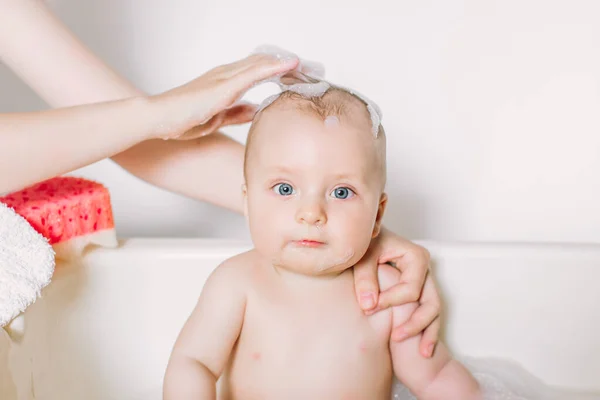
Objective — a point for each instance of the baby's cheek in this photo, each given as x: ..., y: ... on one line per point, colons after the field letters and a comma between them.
x: 355, y: 219
x: 266, y: 221
x: 265, y: 239
x: 342, y: 257
x: 355, y: 240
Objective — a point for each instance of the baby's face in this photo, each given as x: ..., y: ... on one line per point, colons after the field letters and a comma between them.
x: 314, y: 191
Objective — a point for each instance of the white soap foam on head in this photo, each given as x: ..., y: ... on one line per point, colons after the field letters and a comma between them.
x: 306, y: 80
x: 332, y: 121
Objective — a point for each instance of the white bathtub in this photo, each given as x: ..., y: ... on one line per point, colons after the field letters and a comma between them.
x: 104, y: 328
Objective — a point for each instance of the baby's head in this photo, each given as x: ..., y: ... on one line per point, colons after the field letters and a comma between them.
x: 314, y: 181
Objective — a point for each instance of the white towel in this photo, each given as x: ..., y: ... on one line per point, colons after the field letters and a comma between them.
x: 26, y: 264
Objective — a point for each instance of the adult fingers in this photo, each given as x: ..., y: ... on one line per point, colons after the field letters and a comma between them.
x: 425, y: 318
x: 414, y: 266
x: 202, y: 130
x: 420, y: 319
x: 236, y: 115
x: 366, y: 284
x: 430, y: 338
x: 262, y: 69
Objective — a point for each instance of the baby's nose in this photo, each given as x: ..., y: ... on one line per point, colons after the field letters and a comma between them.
x: 312, y: 213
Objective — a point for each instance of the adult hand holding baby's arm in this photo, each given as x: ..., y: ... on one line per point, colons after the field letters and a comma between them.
x: 437, y: 377
x: 204, y: 344
x: 416, y: 285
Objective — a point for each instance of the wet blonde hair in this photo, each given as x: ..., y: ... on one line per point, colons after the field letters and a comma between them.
x: 334, y: 102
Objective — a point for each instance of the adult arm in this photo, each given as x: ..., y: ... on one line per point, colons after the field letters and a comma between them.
x: 65, y: 73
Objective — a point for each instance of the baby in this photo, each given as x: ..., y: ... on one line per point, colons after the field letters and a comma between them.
x: 281, y: 321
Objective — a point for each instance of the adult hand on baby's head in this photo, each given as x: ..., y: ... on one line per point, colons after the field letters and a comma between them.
x: 417, y: 286
x: 205, y: 104
x: 238, y: 114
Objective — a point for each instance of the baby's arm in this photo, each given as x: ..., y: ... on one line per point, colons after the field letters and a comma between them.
x: 438, y: 377
x: 207, y: 338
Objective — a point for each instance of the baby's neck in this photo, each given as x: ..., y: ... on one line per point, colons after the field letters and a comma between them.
x: 310, y: 281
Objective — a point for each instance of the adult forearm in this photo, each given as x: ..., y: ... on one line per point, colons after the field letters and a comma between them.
x: 39, y: 145
x: 52, y: 61
x: 208, y: 169
x: 64, y: 73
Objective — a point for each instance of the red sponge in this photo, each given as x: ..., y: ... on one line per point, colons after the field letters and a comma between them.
x: 70, y: 212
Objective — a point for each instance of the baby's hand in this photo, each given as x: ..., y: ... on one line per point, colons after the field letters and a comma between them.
x: 416, y: 285
x: 203, y: 105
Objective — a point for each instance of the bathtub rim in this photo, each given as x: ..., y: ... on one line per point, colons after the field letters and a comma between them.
x: 223, y: 248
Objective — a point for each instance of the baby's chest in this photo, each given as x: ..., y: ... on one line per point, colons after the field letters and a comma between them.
x: 311, y: 351
x: 309, y: 334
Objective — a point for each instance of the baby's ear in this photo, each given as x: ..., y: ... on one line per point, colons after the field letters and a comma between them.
x: 380, y: 211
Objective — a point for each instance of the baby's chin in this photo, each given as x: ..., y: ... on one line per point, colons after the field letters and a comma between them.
x: 313, y: 262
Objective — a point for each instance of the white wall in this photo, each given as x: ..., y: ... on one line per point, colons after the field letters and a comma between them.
x: 492, y: 108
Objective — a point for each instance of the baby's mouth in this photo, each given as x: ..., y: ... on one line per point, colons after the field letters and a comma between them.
x: 308, y: 243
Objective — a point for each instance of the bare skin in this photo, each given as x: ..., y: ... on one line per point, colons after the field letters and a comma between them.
x: 65, y: 73
x: 282, y: 320
x: 278, y: 336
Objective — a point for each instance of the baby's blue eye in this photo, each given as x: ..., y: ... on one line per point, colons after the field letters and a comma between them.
x: 284, y: 189
x: 343, y: 193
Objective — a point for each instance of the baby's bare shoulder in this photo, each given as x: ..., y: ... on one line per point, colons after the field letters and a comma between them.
x: 237, y: 271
